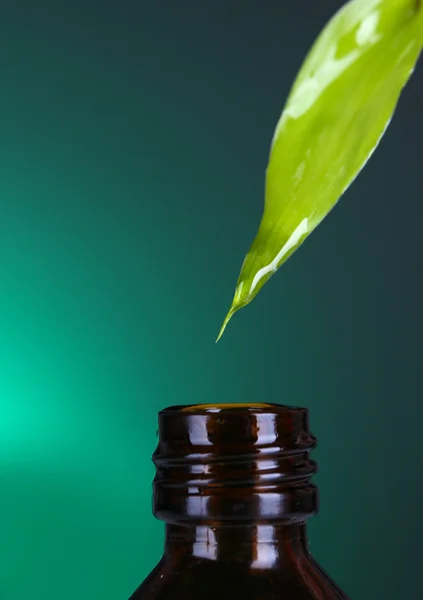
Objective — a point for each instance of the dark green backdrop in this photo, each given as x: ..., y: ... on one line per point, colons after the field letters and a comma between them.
x: 134, y: 139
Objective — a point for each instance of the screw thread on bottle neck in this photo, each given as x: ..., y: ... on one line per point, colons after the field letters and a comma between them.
x: 234, y: 464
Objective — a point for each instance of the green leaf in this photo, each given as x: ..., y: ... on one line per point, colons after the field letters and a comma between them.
x: 338, y: 109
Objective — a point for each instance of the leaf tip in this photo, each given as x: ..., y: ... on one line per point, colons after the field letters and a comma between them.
x: 225, y: 322
x: 228, y: 317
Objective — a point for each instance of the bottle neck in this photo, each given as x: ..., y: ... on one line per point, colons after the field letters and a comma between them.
x: 258, y: 546
x: 234, y: 466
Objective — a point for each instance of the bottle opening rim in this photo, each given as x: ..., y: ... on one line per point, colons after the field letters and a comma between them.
x: 244, y: 407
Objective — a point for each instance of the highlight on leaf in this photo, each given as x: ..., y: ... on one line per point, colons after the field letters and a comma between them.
x: 339, y: 107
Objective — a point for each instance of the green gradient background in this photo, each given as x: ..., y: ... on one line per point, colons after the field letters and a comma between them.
x: 133, y: 146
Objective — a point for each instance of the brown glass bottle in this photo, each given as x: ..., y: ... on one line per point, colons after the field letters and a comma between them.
x: 233, y: 487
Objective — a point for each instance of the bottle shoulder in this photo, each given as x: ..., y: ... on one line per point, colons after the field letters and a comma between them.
x: 209, y: 580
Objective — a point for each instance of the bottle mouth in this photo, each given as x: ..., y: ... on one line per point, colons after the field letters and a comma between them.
x: 234, y: 462
x: 252, y: 407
